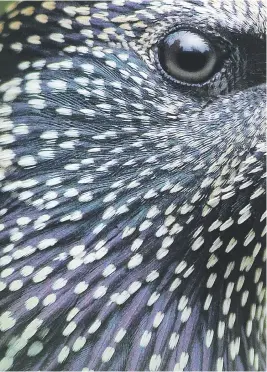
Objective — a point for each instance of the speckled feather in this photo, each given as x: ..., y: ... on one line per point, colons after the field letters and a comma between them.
x: 132, y: 208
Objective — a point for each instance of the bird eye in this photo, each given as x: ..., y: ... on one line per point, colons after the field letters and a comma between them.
x: 187, y: 56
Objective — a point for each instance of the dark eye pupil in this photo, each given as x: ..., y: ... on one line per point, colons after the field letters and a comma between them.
x: 187, y: 56
x: 192, y: 61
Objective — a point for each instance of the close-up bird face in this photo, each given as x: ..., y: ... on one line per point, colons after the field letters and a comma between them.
x: 132, y: 189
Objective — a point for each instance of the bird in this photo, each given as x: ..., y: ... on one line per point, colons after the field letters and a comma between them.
x: 132, y: 185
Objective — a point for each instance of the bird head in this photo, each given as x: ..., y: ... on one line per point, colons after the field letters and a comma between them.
x: 132, y: 190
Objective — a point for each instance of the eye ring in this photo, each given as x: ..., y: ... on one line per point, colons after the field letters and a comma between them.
x: 189, y: 57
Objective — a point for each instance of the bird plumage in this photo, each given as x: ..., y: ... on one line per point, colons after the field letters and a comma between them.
x: 132, y: 207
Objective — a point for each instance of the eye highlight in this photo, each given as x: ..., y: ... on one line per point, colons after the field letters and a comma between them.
x: 188, y: 56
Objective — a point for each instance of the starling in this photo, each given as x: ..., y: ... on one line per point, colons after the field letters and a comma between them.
x: 132, y: 189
